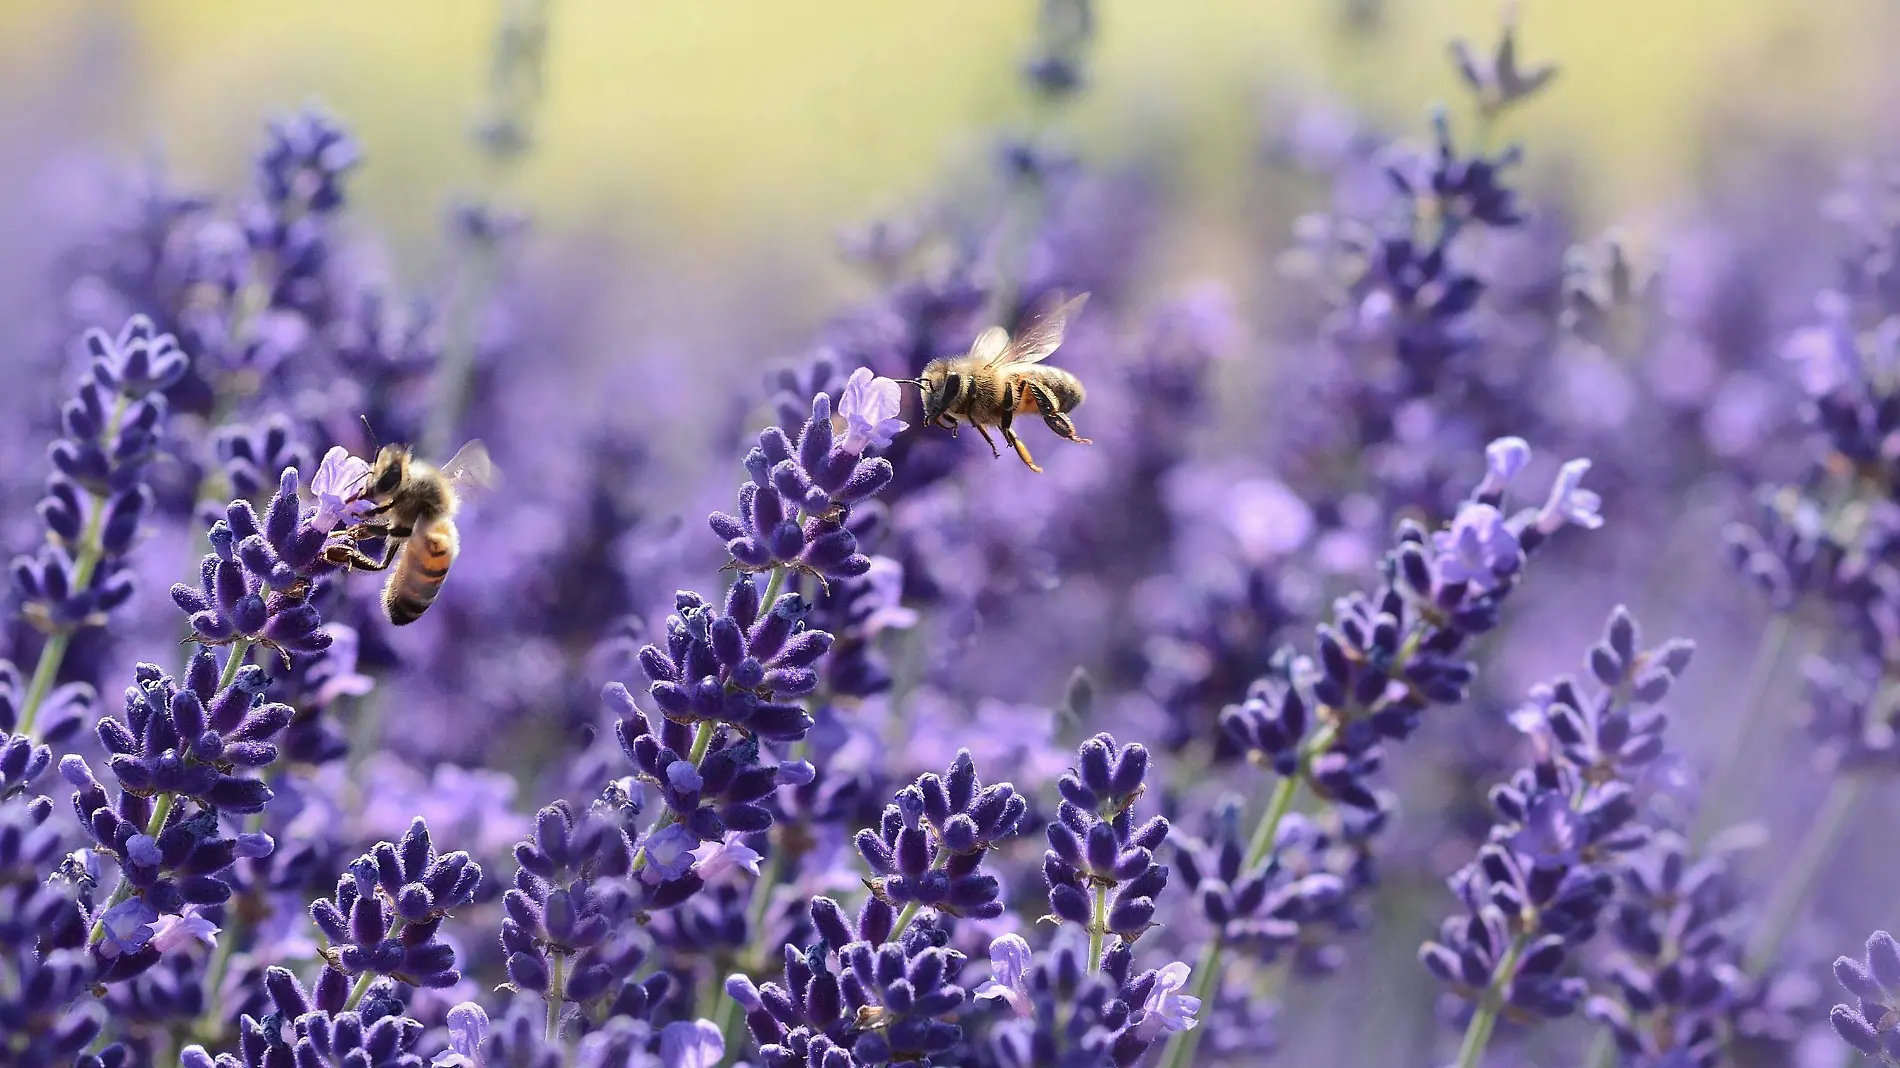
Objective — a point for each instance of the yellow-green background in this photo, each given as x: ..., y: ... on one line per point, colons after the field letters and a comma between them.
x: 726, y: 125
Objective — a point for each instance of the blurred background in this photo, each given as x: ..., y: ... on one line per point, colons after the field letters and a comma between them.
x: 727, y: 142
x: 656, y: 227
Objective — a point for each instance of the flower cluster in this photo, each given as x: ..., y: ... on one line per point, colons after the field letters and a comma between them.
x: 929, y: 846
x: 254, y: 585
x: 1095, y: 846
x: 738, y: 666
x: 857, y: 998
x: 569, y: 897
x: 387, y: 913
x: 1874, y: 980
x: 1063, y: 1012
x: 330, y: 1025
x: 1540, y: 886
x: 794, y: 511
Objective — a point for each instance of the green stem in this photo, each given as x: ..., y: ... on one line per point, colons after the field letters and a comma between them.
x: 911, y: 910
x: 557, y: 997
x: 702, y: 740
x: 240, y: 649
x: 85, y: 565
x: 1485, y: 1019
x: 52, y: 654
x: 774, y: 586
x: 1180, y: 1051
x: 1762, y: 672
x: 1098, y: 924
x: 1602, y: 1053
x: 1784, y: 905
x: 161, y: 809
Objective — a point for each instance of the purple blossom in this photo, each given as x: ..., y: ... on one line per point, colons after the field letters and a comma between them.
x: 869, y: 407
x: 1010, y: 960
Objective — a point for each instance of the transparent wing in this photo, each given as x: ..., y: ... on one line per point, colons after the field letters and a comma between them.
x: 990, y: 345
x: 470, y: 471
x: 1039, y: 338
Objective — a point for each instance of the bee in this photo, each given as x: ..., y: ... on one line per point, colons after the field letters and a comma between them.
x: 415, y: 504
x: 998, y: 379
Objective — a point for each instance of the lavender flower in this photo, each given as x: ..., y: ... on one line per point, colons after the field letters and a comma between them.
x: 569, y: 896
x: 1095, y: 846
x: 329, y: 1026
x: 1874, y: 980
x: 389, y: 908
x: 737, y: 667
x: 792, y: 513
x: 869, y: 407
x: 929, y: 847
x: 1541, y: 884
x: 96, y: 498
x: 1064, y: 1013
x: 866, y: 1002
x: 254, y: 586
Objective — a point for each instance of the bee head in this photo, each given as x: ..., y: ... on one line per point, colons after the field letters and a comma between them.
x: 931, y: 388
x: 390, y: 471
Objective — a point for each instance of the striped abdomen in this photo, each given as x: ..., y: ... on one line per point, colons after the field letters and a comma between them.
x: 1061, y: 387
x: 419, y: 572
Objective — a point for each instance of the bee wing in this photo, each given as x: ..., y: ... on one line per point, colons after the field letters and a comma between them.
x: 1039, y: 338
x: 470, y: 470
x: 990, y: 345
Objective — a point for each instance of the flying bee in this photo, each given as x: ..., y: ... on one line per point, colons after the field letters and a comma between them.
x: 414, y: 512
x: 999, y: 379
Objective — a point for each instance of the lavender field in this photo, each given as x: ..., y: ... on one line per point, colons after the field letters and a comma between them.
x: 1430, y: 607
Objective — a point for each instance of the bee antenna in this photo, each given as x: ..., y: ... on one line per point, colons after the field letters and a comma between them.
x: 371, y: 431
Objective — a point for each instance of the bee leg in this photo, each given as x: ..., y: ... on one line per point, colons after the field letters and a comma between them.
x: 1052, y: 415
x: 1021, y: 449
x: 354, y: 559
x: 987, y: 440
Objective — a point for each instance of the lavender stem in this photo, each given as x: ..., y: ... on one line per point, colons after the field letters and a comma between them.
x: 363, y: 981
x: 1180, y: 1051
x: 557, y: 996
x: 1764, y: 667
x: 91, y: 551
x: 1485, y: 1018
x: 1784, y: 905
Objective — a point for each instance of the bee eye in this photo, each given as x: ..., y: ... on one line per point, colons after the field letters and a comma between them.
x: 387, y: 481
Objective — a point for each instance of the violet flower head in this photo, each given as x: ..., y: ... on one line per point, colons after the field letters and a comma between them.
x: 570, y: 894
x: 1541, y: 884
x: 97, y: 498
x: 1065, y: 1013
x: 254, y: 585
x: 252, y: 455
x: 388, y: 909
x: 722, y: 791
x: 869, y: 407
x: 1010, y: 959
x: 793, y: 513
x: 468, y: 1032
x: 306, y: 156
x: 326, y: 1025
x: 931, y: 842
x: 1675, y: 982
x: 743, y: 666
x: 337, y: 484
x: 197, y: 740
x: 867, y: 1002
x: 1096, y: 847
x: 1870, y: 1026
